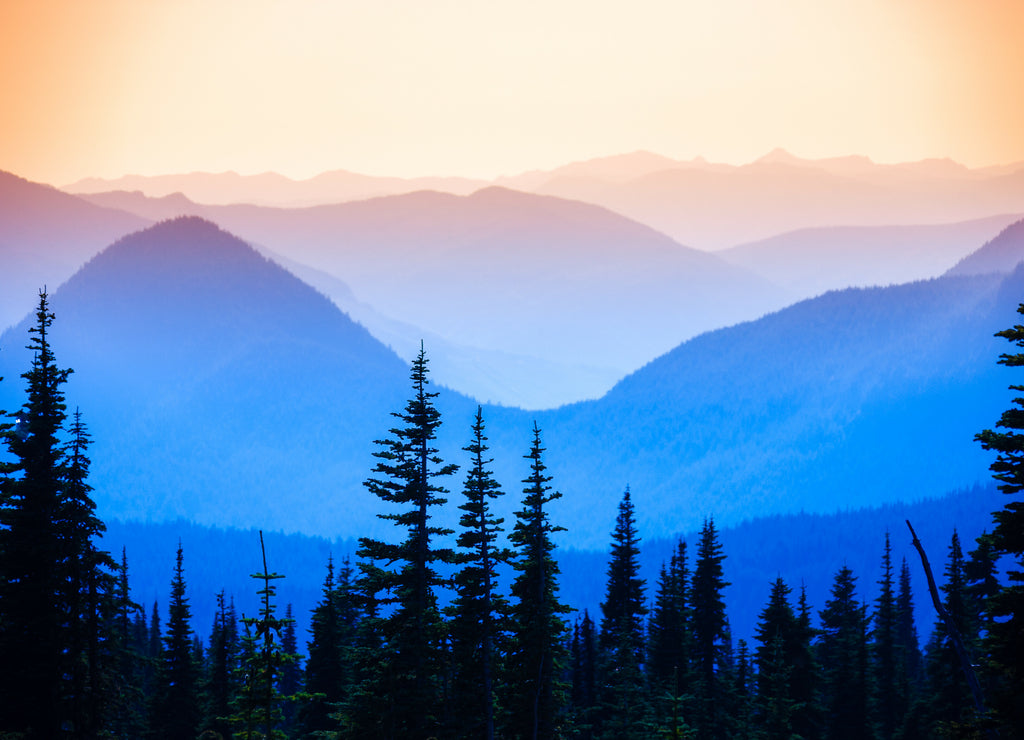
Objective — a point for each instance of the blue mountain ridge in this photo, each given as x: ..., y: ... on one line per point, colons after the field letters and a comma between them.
x: 221, y: 389
x: 804, y: 549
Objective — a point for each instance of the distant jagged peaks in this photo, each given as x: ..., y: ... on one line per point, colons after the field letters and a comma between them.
x: 1001, y: 254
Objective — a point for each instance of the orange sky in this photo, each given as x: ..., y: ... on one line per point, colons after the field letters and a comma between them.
x: 480, y: 88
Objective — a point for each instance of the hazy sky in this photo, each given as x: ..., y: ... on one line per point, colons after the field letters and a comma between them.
x: 480, y: 88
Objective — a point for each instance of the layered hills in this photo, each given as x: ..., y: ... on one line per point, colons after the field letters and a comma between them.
x: 221, y: 388
x: 45, y: 236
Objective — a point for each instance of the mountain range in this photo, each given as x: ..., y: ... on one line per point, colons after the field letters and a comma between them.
x: 221, y: 388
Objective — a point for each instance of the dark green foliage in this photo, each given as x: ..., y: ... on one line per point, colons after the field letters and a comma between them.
x: 623, y: 696
x: 888, y: 700
x: 534, y: 687
x: 806, y: 677
x: 1005, y: 638
x: 780, y: 645
x: 403, y: 576
x: 670, y: 643
x: 950, y: 703
x: 176, y: 709
x: 221, y: 680
x: 478, y: 611
x: 127, y: 712
x: 843, y: 652
x: 33, y: 618
x: 583, y: 707
x: 332, y: 638
x: 290, y: 677
x: 710, y: 634
x: 258, y: 704
x: 58, y: 642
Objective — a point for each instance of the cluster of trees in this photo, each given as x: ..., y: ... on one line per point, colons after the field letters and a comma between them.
x: 462, y: 633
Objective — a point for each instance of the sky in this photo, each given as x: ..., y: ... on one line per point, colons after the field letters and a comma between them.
x: 482, y: 88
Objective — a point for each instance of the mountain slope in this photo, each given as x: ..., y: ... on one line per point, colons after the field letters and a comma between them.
x: 217, y: 386
x: 1001, y: 254
x: 45, y: 235
x: 855, y: 398
x: 809, y: 262
x: 515, y: 272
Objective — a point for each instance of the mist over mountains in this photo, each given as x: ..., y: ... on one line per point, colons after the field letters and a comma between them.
x: 229, y: 383
x: 221, y: 388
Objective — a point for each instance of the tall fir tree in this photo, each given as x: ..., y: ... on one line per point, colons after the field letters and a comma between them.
x: 583, y: 706
x: 478, y: 611
x: 710, y: 635
x: 888, y: 702
x: 624, y: 707
x: 128, y: 709
x: 326, y: 680
x: 950, y: 701
x: 176, y: 709
x: 259, y: 702
x: 669, y: 665
x: 221, y: 683
x: 289, y: 683
x: 776, y: 655
x: 844, y: 655
x: 806, y: 677
x: 404, y: 576
x: 32, y: 616
x: 1005, y: 638
x: 56, y: 585
x: 535, y: 689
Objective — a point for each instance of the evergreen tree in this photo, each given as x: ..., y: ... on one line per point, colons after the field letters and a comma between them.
x: 33, y: 616
x: 290, y: 681
x: 583, y: 696
x: 222, y: 666
x: 326, y: 680
x: 258, y: 705
x: 908, y: 649
x: 670, y: 644
x: 951, y: 704
x: 478, y: 611
x: 710, y: 633
x: 806, y: 677
x: 1005, y: 638
x: 888, y: 702
x: 779, y: 643
x: 176, y: 709
x: 404, y: 575
x: 128, y: 710
x: 624, y: 710
x: 844, y: 655
x: 534, y: 685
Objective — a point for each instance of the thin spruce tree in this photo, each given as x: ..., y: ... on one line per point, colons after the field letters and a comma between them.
x: 403, y: 577
x: 534, y: 680
x: 844, y: 655
x: 710, y: 634
x: 479, y: 611
x: 176, y: 708
x: 625, y: 712
x: 1004, y: 641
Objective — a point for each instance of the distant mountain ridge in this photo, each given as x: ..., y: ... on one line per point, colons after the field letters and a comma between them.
x: 45, y: 236
x: 513, y: 272
x: 221, y: 388
x: 698, y: 203
x: 809, y: 262
x: 1001, y: 254
x: 272, y: 189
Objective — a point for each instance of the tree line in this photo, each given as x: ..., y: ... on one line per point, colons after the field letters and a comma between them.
x: 442, y: 633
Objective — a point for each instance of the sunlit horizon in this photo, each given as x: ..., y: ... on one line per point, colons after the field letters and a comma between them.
x: 111, y: 88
